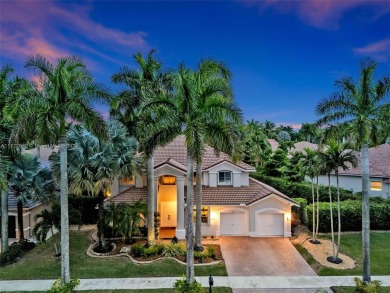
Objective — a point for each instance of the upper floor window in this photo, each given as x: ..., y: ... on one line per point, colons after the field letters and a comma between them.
x: 225, y: 178
x: 377, y: 186
x: 128, y: 181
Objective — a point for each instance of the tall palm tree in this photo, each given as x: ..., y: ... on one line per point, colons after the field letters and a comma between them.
x: 93, y: 164
x: 142, y: 84
x: 308, y: 132
x: 257, y: 147
x: 67, y: 93
x: 356, y: 107
x: 269, y: 129
x: 29, y: 182
x: 341, y: 156
x: 203, y: 110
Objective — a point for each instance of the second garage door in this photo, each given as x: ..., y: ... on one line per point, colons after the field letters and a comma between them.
x: 269, y: 224
x: 232, y: 224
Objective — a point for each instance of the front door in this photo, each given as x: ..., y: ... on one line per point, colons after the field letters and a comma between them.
x: 168, y: 214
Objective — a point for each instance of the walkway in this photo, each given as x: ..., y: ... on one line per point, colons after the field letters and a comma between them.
x: 256, y: 283
x: 248, y: 256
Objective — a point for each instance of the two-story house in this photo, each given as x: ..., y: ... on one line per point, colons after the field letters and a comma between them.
x: 232, y: 202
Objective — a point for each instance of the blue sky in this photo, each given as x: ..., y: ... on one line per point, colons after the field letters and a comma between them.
x: 284, y: 55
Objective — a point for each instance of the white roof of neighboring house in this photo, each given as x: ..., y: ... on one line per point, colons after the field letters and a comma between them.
x: 300, y: 146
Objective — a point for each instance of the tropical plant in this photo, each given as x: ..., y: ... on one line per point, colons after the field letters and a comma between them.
x: 308, y: 132
x: 338, y: 156
x: 145, y: 83
x: 257, y: 148
x: 94, y: 164
x: 67, y: 92
x: 29, y: 182
x: 46, y: 221
x: 356, y: 108
x: 269, y: 129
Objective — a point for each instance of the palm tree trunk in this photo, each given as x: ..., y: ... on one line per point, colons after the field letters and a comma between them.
x: 198, y: 231
x: 318, y: 211
x: 338, y: 216
x: 4, y: 220
x: 65, y: 269
x: 102, y: 241
x: 151, y: 200
x: 190, y: 273
x: 20, y: 221
x: 331, y: 214
x: 314, y: 209
x: 365, y: 213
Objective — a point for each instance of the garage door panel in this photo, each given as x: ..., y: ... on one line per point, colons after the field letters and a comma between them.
x: 270, y: 224
x: 232, y: 224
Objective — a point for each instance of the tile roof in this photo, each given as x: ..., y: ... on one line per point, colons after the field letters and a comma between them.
x: 13, y: 205
x: 221, y: 195
x: 299, y: 147
x: 274, y: 144
x: 379, y: 163
x: 175, y: 153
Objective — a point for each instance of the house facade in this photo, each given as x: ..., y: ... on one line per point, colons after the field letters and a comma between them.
x: 379, y: 171
x: 232, y: 202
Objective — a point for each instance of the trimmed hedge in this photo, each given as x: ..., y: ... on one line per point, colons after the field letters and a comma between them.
x: 82, y: 210
x: 351, y: 216
x: 303, y: 189
x: 300, y: 213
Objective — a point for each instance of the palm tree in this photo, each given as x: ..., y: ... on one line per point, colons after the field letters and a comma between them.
x: 269, y: 129
x: 94, y: 164
x: 29, y: 182
x: 68, y: 92
x: 47, y: 221
x: 341, y: 156
x: 257, y: 147
x: 203, y: 109
x: 356, y: 107
x: 308, y: 132
x: 144, y: 83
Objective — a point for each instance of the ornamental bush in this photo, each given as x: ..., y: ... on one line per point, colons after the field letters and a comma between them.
x: 14, y: 251
x: 351, y: 216
x: 299, y: 213
x: 302, y: 189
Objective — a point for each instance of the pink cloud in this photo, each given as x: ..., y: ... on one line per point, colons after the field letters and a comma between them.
x: 37, y: 27
x: 324, y: 14
x: 293, y: 125
x: 379, y: 50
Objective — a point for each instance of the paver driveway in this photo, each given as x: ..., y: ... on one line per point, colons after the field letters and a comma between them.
x: 248, y: 256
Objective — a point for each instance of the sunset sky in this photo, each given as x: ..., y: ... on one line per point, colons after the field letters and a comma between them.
x: 284, y: 55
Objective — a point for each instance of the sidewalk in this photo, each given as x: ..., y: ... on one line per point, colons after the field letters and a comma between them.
x: 255, y: 282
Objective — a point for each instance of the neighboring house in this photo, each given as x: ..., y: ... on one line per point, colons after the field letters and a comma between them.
x: 351, y: 179
x: 232, y: 202
x: 299, y: 147
x: 31, y: 208
x: 274, y: 144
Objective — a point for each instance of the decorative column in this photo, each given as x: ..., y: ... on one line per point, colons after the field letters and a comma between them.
x: 180, y: 231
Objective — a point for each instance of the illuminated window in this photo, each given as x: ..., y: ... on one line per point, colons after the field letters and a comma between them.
x: 168, y: 180
x: 128, y: 181
x: 204, y: 218
x: 225, y: 178
x: 376, y: 186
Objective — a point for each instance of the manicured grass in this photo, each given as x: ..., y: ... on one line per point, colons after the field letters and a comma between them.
x: 353, y: 290
x: 40, y: 264
x: 351, y: 245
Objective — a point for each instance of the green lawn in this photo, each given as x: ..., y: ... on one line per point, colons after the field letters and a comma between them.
x: 351, y: 245
x: 40, y: 264
x: 353, y: 290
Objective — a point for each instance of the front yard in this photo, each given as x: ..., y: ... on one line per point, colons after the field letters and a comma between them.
x: 40, y: 264
x: 351, y: 245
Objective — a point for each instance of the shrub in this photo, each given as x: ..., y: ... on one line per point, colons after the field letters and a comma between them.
x: 299, y: 213
x: 138, y: 250
x: 9, y: 256
x: 141, y: 250
x: 363, y: 287
x: 82, y: 209
x: 173, y: 249
x: 302, y: 189
x: 351, y: 216
x: 208, y: 252
x: 65, y: 288
x: 182, y: 286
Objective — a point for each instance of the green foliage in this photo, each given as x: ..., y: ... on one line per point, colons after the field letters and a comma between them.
x: 174, y: 249
x: 302, y: 189
x: 57, y: 287
x: 157, y: 223
x: 182, y: 286
x: 208, y: 252
x: 351, y: 216
x: 141, y: 250
x: 299, y: 213
x: 46, y: 221
x: 363, y: 287
x: 82, y: 210
x: 9, y: 256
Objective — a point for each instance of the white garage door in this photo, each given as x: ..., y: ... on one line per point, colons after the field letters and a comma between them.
x: 233, y: 224
x: 268, y: 224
